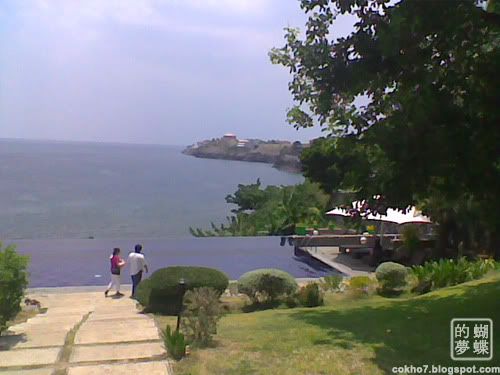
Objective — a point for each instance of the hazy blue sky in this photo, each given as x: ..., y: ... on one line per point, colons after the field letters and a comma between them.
x: 145, y: 71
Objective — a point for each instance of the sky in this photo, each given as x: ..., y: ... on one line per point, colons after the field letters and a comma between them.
x: 146, y: 71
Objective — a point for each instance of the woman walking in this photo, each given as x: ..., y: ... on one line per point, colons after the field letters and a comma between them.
x: 116, y: 264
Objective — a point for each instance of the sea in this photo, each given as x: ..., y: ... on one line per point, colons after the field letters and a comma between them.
x: 100, y: 190
x: 67, y: 204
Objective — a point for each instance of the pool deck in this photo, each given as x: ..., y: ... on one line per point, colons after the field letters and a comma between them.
x: 331, y: 256
x: 125, y: 288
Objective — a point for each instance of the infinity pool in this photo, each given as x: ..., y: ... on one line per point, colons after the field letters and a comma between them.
x: 86, y: 262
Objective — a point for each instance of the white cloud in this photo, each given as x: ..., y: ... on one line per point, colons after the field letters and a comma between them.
x: 147, y: 12
x: 227, y: 6
x: 83, y: 20
x: 78, y: 11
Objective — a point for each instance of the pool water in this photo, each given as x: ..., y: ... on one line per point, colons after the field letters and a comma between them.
x: 86, y: 262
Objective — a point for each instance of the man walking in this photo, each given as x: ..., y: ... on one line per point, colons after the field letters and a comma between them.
x: 137, y: 265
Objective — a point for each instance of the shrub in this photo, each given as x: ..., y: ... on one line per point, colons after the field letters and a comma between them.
x: 361, y: 285
x: 292, y: 301
x: 411, y: 238
x: 448, y: 272
x: 143, y: 292
x: 175, y: 343
x: 13, y: 282
x: 391, y: 277
x: 202, y: 310
x: 332, y: 283
x: 233, y: 288
x: 310, y: 295
x: 161, y: 292
x: 266, y: 284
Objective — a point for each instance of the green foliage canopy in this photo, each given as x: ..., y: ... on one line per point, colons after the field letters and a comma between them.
x: 428, y: 132
x: 13, y: 282
x: 272, y: 210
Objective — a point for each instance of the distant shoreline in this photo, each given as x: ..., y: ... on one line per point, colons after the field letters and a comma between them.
x: 283, y: 155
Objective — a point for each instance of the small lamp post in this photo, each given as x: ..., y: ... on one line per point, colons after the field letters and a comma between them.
x: 364, y: 238
x: 182, y: 290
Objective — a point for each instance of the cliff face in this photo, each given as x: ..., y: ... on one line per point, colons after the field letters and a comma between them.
x: 283, y: 155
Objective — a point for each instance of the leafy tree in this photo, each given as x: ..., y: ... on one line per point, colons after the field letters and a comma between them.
x: 428, y: 134
x: 274, y: 210
x: 247, y: 197
x: 13, y: 282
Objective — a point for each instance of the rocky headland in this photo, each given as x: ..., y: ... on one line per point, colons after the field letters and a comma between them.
x: 283, y: 155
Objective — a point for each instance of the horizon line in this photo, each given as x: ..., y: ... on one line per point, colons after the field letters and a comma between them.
x: 115, y: 142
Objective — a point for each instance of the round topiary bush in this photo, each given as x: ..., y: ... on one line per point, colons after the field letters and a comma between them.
x: 391, y: 277
x: 266, y: 284
x: 161, y: 292
x: 143, y: 292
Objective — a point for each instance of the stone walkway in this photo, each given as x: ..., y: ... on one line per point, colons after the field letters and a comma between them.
x: 83, y: 334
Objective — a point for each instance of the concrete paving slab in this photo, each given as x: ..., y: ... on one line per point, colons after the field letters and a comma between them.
x: 108, y: 307
x: 116, y: 351
x: 56, y: 319
x: 47, y: 322
x: 54, y: 327
x: 42, y: 371
x: 149, y: 368
x: 115, y: 307
x: 133, y: 325
x: 28, y: 357
x: 11, y: 340
x: 57, y: 306
x: 117, y: 316
x: 40, y: 339
x: 62, y: 311
x: 113, y: 334
x: 50, y: 319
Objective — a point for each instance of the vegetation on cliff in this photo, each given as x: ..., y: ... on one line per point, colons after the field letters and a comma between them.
x: 283, y: 155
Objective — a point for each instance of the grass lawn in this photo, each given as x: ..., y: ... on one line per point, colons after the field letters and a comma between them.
x: 362, y: 336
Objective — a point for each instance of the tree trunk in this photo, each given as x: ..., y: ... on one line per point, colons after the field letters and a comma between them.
x: 495, y: 244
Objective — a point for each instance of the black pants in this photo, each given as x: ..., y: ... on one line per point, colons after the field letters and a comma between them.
x: 136, y: 279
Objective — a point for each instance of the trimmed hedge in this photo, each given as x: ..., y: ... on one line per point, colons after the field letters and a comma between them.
x: 161, y: 292
x: 391, y: 277
x: 268, y: 284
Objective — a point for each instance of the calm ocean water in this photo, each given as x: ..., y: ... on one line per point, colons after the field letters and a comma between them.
x: 77, y: 190
x: 55, y: 195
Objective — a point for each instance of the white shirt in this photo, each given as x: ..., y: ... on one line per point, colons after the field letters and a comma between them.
x: 136, y: 262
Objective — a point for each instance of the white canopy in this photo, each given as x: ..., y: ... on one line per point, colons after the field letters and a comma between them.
x: 393, y: 216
